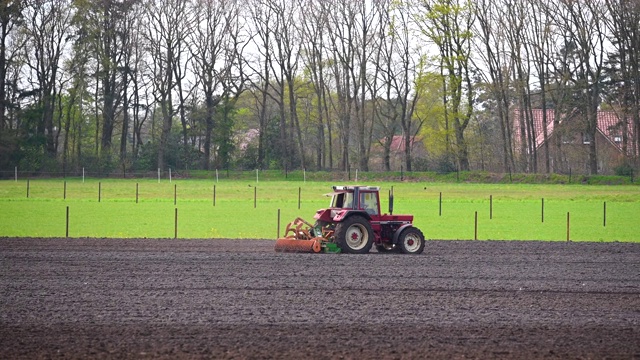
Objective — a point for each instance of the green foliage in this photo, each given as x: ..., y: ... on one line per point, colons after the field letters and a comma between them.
x: 223, y: 131
x: 102, y: 164
x: 430, y: 111
x: 147, y: 157
x: 9, y: 149
x: 623, y: 170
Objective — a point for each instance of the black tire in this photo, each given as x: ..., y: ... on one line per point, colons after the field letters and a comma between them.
x: 411, y: 241
x: 387, y: 248
x: 354, y: 235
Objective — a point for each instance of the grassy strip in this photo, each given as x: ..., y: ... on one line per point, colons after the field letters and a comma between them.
x: 108, y: 208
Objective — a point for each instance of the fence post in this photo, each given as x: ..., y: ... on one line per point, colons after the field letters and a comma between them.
x: 569, y: 175
x: 278, y: 236
x: 604, y: 215
x: 175, y: 235
x: 475, y: 234
x: 67, y: 226
x: 568, y: 227
x: 490, y: 207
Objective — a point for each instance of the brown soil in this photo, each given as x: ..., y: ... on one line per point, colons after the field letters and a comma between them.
x: 160, y: 298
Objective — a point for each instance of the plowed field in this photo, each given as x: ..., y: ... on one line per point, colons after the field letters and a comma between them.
x: 160, y: 298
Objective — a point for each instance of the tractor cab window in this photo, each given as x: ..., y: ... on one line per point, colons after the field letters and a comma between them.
x: 348, y: 201
x: 342, y: 200
x: 369, y: 202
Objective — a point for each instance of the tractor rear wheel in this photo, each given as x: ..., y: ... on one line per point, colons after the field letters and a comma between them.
x: 411, y: 241
x: 354, y: 235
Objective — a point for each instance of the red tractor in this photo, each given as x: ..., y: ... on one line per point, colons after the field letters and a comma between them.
x: 353, y: 224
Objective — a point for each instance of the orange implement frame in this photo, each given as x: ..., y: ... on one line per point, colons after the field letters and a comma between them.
x: 298, y: 238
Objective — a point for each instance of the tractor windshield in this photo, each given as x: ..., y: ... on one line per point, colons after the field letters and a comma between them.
x: 369, y: 202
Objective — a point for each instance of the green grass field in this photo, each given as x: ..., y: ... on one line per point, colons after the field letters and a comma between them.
x: 108, y: 208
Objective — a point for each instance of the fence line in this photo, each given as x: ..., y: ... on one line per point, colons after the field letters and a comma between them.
x: 305, y: 175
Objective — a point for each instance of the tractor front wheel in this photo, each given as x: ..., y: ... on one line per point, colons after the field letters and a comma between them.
x: 354, y: 235
x: 411, y: 241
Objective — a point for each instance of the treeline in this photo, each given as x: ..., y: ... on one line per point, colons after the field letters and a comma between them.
x: 295, y: 84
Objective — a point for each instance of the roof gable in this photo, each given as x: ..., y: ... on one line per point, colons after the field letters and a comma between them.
x: 609, y: 125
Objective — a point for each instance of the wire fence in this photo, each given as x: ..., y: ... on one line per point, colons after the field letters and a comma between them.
x: 331, y: 175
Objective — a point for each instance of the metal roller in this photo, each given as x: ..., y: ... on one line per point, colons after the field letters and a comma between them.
x: 300, y: 246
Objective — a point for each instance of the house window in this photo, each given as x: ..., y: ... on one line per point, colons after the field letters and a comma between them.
x: 617, y: 138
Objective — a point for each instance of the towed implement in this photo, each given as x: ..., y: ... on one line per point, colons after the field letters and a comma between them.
x: 353, y: 224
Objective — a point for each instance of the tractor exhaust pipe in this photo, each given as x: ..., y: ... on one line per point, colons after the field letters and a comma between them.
x: 391, y: 201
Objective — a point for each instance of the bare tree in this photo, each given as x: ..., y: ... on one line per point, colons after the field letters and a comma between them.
x: 216, y: 55
x: 405, y: 82
x: 313, y: 43
x: 341, y: 28
x: 388, y: 114
x: 165, y: 37
x: 10, y: 15
x: 209, y: 42
x: 139, y: 99
x: 261, y: 17
x: 350, y: 29
x: 624, y: 27
x: 493, y: 53
x: 515, y: 24
x: 584, y: 26
x: 448, y: 23
x: 284, y: 67
x: 48, y: 32
x: 540, y: 37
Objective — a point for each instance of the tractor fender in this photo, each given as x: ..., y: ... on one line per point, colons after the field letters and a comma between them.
x: 396, y: 235
x: 342, y: 215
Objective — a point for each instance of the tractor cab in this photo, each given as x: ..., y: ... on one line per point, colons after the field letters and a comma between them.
x: 349, y: 199
x: 344, y: 197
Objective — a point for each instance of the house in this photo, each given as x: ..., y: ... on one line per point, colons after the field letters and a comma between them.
x: 574, y: 142
x: 397, y: 152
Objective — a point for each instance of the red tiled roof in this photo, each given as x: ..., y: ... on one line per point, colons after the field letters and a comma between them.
x: 398, y: 143
x: 608, y: 125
